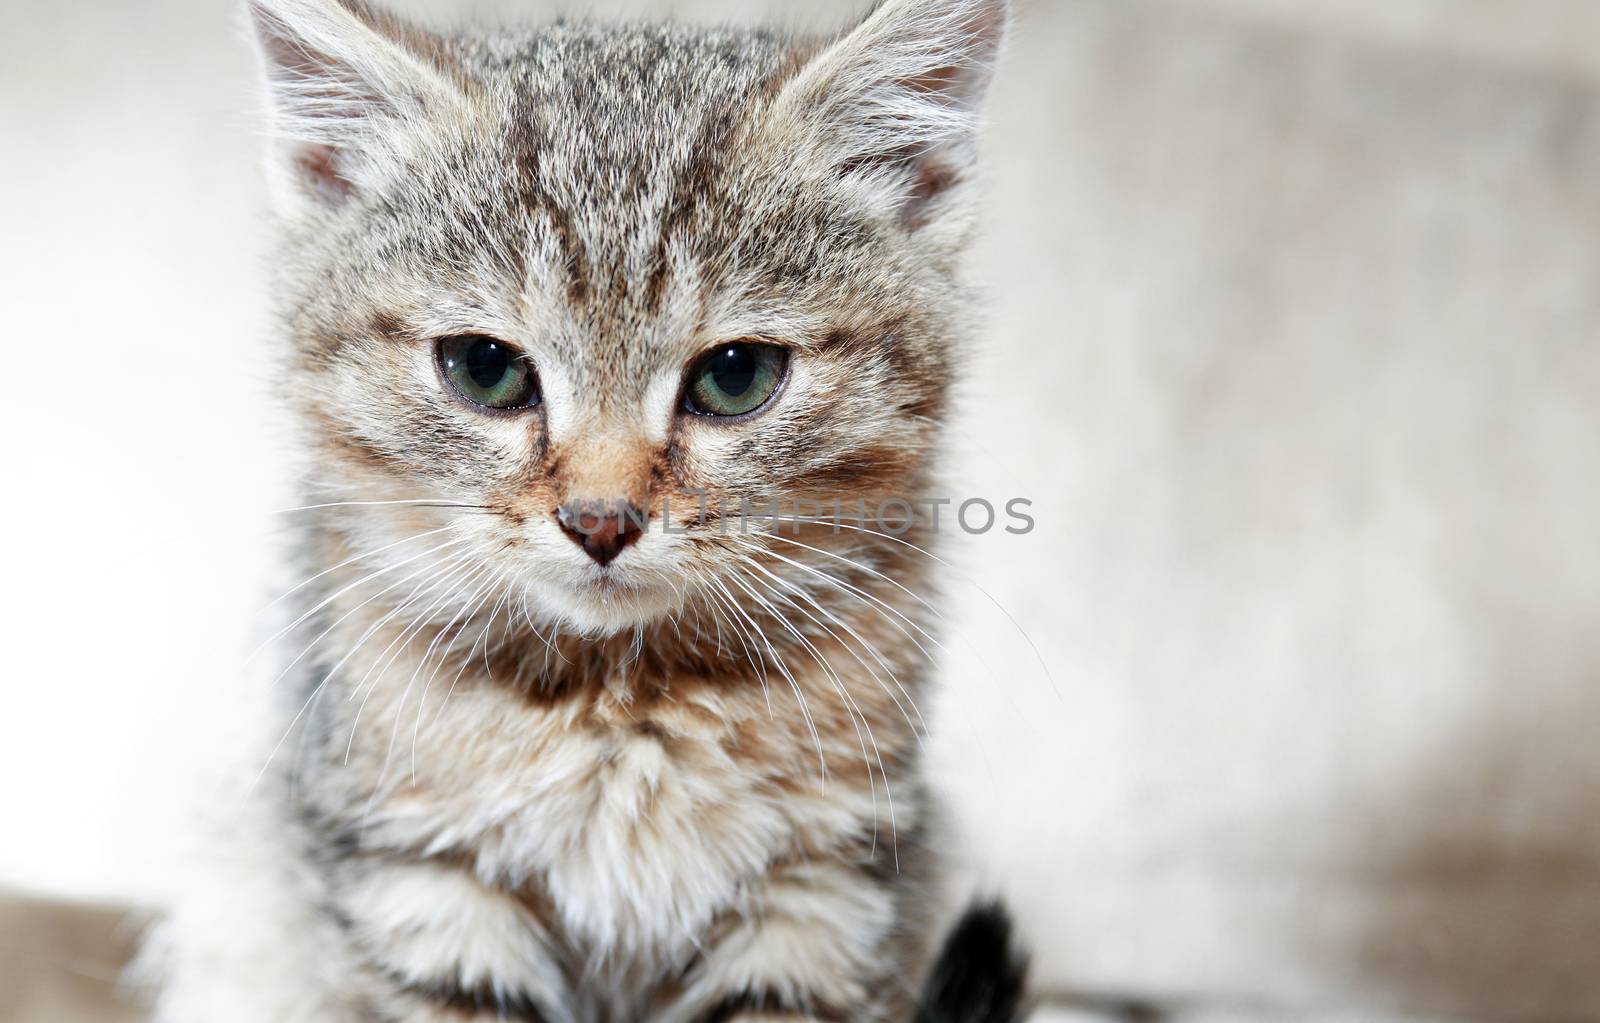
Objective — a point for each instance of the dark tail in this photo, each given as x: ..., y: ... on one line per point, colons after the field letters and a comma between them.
x: 979, y: 976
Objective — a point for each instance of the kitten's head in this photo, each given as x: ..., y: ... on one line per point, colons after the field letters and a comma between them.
x: 561, y: 274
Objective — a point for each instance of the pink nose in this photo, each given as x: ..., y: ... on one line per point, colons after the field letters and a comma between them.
x: 603, y: 530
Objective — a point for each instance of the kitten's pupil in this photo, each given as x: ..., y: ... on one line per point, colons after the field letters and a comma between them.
x: 487, y: 364
x: 488, y: 373
x: 734, y: 370
x: 736, y: 379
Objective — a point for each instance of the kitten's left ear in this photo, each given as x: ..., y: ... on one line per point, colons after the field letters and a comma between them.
x: 346, y: 81
x: 898, y: 101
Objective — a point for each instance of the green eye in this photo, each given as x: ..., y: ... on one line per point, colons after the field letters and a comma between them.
x: 488, y: 373
x: 736, y: 379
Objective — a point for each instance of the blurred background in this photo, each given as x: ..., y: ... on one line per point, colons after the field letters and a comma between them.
x: 1292, y: 343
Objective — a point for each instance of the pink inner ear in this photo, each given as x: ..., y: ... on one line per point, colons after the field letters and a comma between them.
x: 283, y: 49
x: 932, y: 177
x: 317, y: 165
x: 946, y: 83
x: 929, y: 173
x: 964, y: 81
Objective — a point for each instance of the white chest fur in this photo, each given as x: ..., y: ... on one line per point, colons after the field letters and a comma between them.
x: 638, y: 825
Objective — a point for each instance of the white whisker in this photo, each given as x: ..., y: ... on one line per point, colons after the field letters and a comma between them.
x: 853, y: 711
x: 350, y: 561
x: 1038, y: 656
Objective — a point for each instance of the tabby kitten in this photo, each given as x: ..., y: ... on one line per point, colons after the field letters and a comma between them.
x: 568, y: 737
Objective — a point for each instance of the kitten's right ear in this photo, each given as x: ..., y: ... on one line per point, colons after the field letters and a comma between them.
x: 342, y: 77
x: 897, y: 102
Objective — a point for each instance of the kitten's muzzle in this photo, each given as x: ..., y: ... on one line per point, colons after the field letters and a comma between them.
x: 604, y: 530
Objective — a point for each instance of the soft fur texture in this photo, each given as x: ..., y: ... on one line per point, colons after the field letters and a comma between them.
x: 514, y: 783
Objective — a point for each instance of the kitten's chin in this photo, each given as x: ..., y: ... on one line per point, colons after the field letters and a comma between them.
x: 602, y: 608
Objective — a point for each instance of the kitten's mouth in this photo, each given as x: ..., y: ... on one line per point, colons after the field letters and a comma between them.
x: 611, y: 582
x: 607, y: 600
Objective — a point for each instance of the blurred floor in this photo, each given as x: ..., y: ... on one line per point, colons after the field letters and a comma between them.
x: 62, y: 963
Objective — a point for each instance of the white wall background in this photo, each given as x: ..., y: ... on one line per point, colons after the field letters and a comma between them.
x: 1294, y: 347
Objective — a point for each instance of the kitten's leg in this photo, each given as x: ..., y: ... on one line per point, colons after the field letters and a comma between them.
x: 815, y: 940
x: 434, y: 943
x: 245, y: 940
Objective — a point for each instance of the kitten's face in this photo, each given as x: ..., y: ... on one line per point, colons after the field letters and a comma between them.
x: 556, y: 274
